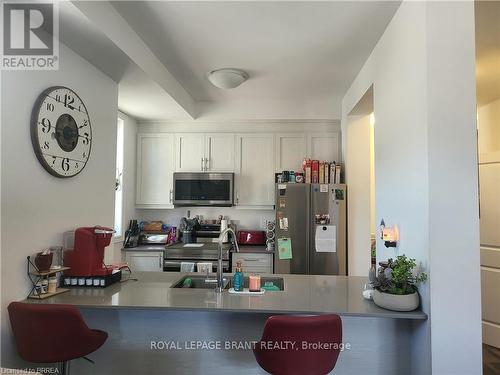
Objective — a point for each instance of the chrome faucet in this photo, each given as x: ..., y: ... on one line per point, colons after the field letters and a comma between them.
x: 220, y: 277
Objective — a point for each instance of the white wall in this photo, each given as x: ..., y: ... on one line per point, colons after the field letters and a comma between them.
x: 358, y: 179
x: 489, y: 167
x: 269, y: 109
x: 129, y: 170
x: 489, y: 183
x: 454, y: 228
x: 489, y: 127
x: 422, y: 71
x: 37, y: 207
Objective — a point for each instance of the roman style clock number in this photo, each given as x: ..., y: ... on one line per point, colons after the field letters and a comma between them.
x: 61, y: 132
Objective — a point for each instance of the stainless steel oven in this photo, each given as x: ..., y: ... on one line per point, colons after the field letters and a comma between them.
x: 203, y: 189
x: 174, y: 256
x: 175, y: 265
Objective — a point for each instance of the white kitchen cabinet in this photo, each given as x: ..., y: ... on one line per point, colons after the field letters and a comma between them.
x: 155, y: 166
x: 324, y: 146
x: 290, y: 151
x: 254, y: 178
x: 219, y: 151
x: 204, y: 152
x: 260, y: 263
x: 144, y: 260
x: 190, y: 152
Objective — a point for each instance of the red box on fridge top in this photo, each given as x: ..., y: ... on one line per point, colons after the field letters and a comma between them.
x: 315, y: 171
x: 306, y: 164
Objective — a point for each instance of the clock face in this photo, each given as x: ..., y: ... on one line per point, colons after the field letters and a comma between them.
x: 61, y: 132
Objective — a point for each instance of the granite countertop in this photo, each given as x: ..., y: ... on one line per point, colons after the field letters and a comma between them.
x: 206, y: 246
x: 226, y: 246
x: 149, y: 247
x: 303, y: 294
x: 178, y: 245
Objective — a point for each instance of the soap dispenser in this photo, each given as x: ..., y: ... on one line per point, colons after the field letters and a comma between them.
x: 238, y: 278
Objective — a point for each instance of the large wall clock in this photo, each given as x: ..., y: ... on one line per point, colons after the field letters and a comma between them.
x: 61, y: 132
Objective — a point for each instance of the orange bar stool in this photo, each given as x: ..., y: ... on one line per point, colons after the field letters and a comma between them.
x: 300, y: 345
x: 52, y: 333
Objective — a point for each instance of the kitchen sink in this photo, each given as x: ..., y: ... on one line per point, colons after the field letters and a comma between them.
x: 276, y: 281
x: 199, y: 282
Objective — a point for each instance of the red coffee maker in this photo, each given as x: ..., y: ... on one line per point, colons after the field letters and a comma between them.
x: 86, y: 260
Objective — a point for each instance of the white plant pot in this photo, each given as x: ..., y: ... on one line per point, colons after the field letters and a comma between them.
x: 396, y: 302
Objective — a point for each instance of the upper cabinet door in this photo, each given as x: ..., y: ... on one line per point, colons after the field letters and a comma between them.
x: 324, y: 146
x: 255, y: 170
x: 290, y: 151
x: 190, y: 152
x: 219, y: 152
x: 154, y: 170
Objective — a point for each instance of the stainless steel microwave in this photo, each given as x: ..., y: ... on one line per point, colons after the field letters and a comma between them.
x: 203, y: 189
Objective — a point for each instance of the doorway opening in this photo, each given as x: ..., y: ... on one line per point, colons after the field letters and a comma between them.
x: 487, y: 15
x: 360, y: 179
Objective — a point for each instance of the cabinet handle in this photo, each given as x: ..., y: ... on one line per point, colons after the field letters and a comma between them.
x: 237, y: 198
x: 202, y: 168
x: 207, y: 164
x: 160, y: 259
x: 171, y: 195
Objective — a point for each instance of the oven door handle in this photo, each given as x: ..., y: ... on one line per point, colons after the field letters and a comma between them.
x: 171, y: 263
x: 177, y: 264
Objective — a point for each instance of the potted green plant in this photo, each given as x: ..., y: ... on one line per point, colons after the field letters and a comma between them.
x: 396, y: 284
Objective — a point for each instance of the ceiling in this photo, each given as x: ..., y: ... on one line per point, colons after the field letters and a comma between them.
x: 301, y: 56
x: 487, y: 51
x: 139, y: 95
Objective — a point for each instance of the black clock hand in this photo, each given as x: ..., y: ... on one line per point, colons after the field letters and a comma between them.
x: 64, y: 157
x: 66, y: 105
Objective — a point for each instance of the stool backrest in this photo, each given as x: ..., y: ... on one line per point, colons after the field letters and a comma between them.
x: 43, y: 332
x: 305, y: 345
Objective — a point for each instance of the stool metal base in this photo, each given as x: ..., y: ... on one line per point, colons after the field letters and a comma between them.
x: 65, y: 367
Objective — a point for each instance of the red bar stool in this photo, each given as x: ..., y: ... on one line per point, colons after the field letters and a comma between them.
x: 52, y: 333
x: 316, y: 344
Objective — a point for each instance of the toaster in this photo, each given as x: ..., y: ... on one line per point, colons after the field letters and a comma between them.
x: 252, y: 237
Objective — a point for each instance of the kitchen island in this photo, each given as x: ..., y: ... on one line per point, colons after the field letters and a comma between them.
x: 157, y: 329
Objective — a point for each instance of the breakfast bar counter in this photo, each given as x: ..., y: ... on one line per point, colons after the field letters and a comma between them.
x: 302, y: 294
x: 156, y: 329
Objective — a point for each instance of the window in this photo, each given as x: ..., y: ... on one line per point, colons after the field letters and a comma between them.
x: 119, y: 179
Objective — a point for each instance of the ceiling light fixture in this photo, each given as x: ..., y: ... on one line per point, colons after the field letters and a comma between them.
x: 227, y: 78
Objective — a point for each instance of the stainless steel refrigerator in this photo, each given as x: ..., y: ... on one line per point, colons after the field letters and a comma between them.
x: 311, y: 220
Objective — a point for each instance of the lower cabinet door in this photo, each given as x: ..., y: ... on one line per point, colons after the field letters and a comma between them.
x: 145, y: 261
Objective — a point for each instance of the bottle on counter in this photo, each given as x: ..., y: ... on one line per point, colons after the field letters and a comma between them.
x: 238, y: 278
